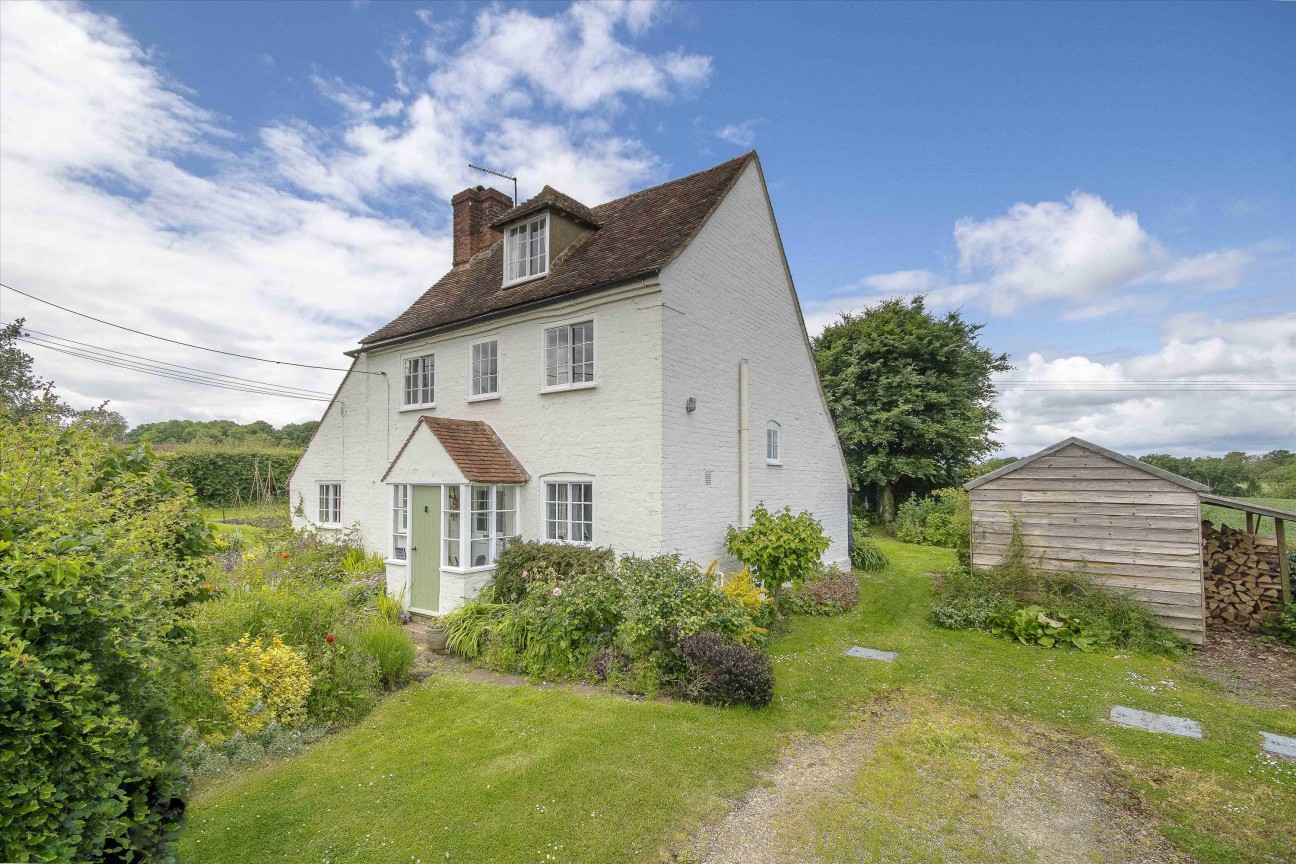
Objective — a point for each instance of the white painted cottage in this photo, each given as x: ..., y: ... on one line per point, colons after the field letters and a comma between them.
x: 634, y: 375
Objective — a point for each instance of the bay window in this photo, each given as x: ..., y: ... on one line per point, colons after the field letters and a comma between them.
x: 492, y: 524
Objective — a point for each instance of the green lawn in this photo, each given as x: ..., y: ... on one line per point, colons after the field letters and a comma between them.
x: 1237, y: 519
x: 461, y: 771
x: 226, y: 519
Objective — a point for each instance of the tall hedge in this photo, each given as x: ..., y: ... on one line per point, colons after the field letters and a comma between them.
x: 227, y: 475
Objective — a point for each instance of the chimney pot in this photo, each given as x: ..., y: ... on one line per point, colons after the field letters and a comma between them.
x: 474, y: 210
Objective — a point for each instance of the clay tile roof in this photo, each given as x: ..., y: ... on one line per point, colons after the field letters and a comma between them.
x: 474, y: 447
x: 638, y: 236
x: 549, y: 197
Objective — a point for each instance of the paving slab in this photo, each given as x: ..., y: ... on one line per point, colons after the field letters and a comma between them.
x: 871, y: 654
x: 1279, y: 745
x: 1150, y: 722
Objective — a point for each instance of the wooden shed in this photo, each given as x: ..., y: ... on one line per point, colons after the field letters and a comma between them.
x: 1084, y: 507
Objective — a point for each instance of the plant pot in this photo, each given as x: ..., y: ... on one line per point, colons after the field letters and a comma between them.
x: 436, y: 639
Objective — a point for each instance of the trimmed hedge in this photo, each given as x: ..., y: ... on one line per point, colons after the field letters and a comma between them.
x: 224, y: 476
x: 554, y: 559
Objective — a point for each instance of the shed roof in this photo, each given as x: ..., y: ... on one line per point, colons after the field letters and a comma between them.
x: 1102, y: 451
x: 1250, y: 507
x: 475, y: 448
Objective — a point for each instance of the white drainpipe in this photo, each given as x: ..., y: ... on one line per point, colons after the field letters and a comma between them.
x: 744, y: 509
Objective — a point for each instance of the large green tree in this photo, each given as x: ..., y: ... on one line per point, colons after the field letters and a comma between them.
x: 911, y: 395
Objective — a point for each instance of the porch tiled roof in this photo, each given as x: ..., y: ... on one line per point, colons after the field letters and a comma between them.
x: 475, y: 448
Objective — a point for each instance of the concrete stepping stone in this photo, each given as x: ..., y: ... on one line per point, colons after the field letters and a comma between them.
x: 1164, y: 723
x: 871, y: 654
x: 1279, y: 745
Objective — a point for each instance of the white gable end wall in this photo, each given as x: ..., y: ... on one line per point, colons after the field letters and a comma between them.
x: 727, y: 298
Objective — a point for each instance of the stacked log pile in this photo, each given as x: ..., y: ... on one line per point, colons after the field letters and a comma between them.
x: 1241, y: 575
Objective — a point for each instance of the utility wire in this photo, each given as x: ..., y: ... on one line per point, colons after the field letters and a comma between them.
x: 186, y: 344
x: 164, y: 364
x: 175, y: 377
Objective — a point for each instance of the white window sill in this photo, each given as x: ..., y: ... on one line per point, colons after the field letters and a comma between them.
x: 588, y: 544
x: 484, y: 397
x: 331, y: 526
x: 426, y: 407
x: 563, y: 388
x: 526, y: 279
x: 467, y: 570
x: 395, y: 562
x: 774, y: 462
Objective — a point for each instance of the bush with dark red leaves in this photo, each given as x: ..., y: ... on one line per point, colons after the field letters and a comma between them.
x: 720, y: 672
x: 832, y: 593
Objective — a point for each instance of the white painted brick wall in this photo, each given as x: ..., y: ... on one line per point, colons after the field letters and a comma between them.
x: 727, y: 298
x: 612, y: 431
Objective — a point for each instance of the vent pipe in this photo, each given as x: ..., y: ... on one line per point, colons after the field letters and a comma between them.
x: 744, y: 508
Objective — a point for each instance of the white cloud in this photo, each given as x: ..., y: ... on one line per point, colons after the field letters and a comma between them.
x: 1140, y: 404
x: 738, y: 134
x: 1080, y: 254
x: 285, y: 252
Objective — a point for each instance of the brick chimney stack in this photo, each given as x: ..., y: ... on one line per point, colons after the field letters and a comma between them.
x: 474, y: 210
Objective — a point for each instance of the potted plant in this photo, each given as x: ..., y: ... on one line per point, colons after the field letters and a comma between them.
x: 436, y: 635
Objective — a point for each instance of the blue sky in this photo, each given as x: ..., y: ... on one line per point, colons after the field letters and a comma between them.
x: 1111, y: 188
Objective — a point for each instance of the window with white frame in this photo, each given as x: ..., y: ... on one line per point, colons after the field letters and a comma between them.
x: 526, y: 250
x: 330, y: 503
x: 420, y: 381
x: 452, y: 529
x: 569, y: 355
x: 400, y: 523
x: 485, y: 368
x: 569, y: 511
x: 492, y: 524
x: 773, y: 443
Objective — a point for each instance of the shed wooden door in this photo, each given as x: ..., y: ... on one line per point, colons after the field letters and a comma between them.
x: 425, y: 548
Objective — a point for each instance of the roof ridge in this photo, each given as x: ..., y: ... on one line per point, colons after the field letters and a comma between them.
x: 750, y: 154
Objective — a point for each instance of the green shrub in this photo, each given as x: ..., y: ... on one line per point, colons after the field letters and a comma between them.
x: 1035, y: 625
x: 778, y: 547
x: 389, y: 644
x: 96, y: 558
x: 567, y: 621
x: 942, y: 519
x: 666, y: 600
x: 867, y: 556
x: 1284, y: 628
x: 724, y: 673
x: 561, y: 560
x: 990, y: 599
x: 205, y: 758
x: 831, y: 593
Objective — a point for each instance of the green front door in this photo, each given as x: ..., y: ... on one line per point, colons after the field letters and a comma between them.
x: 425, y: 548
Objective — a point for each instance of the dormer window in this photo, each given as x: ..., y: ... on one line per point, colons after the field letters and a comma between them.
x: 526, y: 250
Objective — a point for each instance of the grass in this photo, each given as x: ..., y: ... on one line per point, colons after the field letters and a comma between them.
x: 226, y: 519
x: 461, y: 771
x: 1237, y: 519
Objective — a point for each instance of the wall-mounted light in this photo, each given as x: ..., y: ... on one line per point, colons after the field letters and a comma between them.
x: 690, y: 404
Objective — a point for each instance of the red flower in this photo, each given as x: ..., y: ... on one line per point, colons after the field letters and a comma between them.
x: 328, y: 639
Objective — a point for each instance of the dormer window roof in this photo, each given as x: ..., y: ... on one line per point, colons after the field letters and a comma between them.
x: 549, y: 198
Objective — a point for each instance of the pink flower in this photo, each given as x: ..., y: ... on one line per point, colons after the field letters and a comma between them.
x: 557, y: 592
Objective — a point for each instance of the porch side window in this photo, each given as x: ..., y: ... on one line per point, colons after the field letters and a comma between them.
x: 569, y: 355
x: 330, y: 503
x: 493, y: 523
x: 569, y: 511
x: 420, y: 381
x: 452, y: 530
x: 400, y: 523
x: 485, y: 368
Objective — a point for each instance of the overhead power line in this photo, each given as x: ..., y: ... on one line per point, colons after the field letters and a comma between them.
x: 178, y: 342
x: 162, y: 364
x: 177, y: 376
